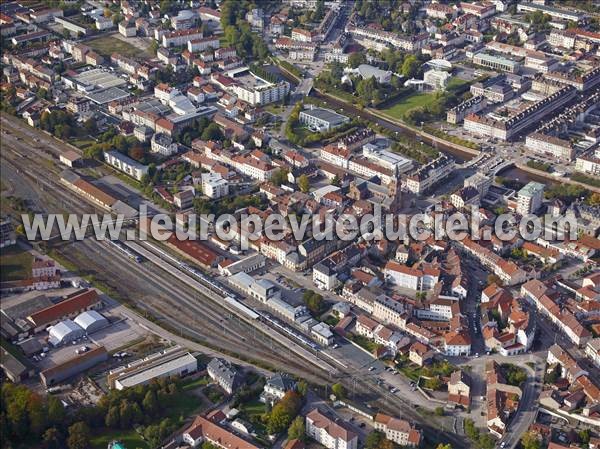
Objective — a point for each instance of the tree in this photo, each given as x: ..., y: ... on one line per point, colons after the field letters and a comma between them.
x: 149, y: 403
x: 374, y: 440
x: 137, y: 153
x: 212, y: 132
x: 152, y: 435
x: 433, y: 383
x: 90, y: 126
x: 335, y: 181
x: 356, y: 59
x: 284, y: 412
x: 51, y: 438
x: 594, y: 199
x: 37, y: 414
x: 297, y: 429
x: 313, y: 301
x: 304, y: 183
x: 339, y: 390
x: 302, y: 387
x: 584, y: 436
x: 444, y: 446
x: 493, y: 279
x: 56, y: 411
x: 279, y: 177
x: 410, y: 66
x: 113, y: 417
x: 531, y: 440
x: 439, y: 411
x: 79, y: 436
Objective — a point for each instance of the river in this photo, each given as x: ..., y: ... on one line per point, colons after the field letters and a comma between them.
x: 459, y: 156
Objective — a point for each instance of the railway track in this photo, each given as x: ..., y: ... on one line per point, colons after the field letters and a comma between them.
x: 46, y: 181
x: 233, y: 336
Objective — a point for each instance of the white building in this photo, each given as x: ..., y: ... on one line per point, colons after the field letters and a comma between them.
x: 397, y: 430
x: 457, y: 343
x: 262, y: 93
x: 163, y: 144
x: 412, y: 278
x: 333, y: 433
x: 550, y: 145
x: 202, y: 44
x: 529, y: 198
x: 174, y: 361
x: 214, y: 186
x: 436, y: 79
x: 392, y: 161
x: 322, y: 334
x: 324, y: 276
x: 125, y: 164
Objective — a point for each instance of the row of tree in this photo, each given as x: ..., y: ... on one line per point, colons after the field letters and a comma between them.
x: 26, y: 417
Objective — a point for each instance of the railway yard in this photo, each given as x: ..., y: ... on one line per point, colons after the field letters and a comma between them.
x: 173, y: 300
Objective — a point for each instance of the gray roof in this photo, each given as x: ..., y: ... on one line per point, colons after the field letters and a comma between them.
x: 332, y: 117
x: 24, y: 307
x: 282, y: 382
x: 223, y: 370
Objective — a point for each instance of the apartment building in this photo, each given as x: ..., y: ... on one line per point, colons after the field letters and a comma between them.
x: 163, y: 144
x: 390, y: 311
x: 331, y: 432
x: 180, y: 37
x: 471, y: 106
x: 202, y: 44
x: 409, y: 277
x: 507, y: 129
x: 589, y: 163
x: 397, y: 430
x: 430, y: 174
x: 125, y: 164
x: 214, y: 186
x: 530, y: 198
x: 548, y: 145
x: 222, y: 372
x: 263, y: 93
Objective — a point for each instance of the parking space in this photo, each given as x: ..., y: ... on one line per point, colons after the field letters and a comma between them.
x: 118, y: 334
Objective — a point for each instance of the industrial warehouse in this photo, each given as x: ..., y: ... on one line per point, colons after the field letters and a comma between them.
x: 175, y: 361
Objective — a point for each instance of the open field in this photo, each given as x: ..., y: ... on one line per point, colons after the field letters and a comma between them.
x: 15, y: 264
x: 107, y: 45
x: 412, y: 101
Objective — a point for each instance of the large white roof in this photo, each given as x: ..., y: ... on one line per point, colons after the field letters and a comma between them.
x: 89, y: 318
x: 59, y: 331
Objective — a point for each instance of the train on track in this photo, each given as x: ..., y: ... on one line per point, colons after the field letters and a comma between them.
x: 128, y: 251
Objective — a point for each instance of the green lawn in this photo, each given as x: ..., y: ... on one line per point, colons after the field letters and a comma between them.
x: 412, y: 101
x: 184, y: 405
x: 129, y: 438
x: 107, y: 45
x: 456, y: 83
x: 193, y: 384
x: 15, y: 264
x: 364, y: 342
x: 254, y: 408
x: 82, y: 143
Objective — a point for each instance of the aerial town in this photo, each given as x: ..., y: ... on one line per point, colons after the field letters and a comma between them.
x: 300, y: 224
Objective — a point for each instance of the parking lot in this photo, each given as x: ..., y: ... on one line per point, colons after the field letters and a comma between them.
x: 118, y: 334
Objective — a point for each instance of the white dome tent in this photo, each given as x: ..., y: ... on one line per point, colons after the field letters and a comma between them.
x: 91, y: 321
x: 65, y: 332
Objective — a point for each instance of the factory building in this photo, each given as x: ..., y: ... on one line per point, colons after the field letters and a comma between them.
x: 175, y: 361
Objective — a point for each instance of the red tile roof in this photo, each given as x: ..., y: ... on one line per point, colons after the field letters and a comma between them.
x: 68, y: 306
